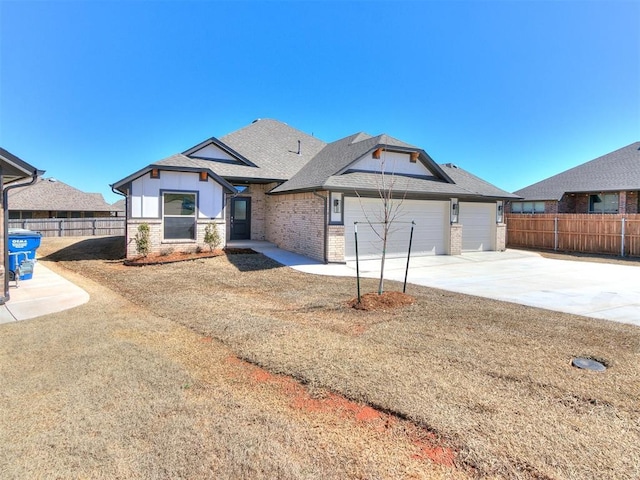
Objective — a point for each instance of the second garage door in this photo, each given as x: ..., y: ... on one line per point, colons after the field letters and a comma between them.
x: 478, y: 226
x: 430, y: 235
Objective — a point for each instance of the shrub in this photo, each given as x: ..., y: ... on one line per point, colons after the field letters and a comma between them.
x: 143, y: 239
x: 212, y: 236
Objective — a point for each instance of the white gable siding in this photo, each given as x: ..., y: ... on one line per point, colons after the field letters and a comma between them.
x: 145, y: 194
x: 211, y: 151
x: 394, y: 162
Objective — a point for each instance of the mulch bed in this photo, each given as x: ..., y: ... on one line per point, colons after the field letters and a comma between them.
x: 385, y: 301
x: 173, y: 257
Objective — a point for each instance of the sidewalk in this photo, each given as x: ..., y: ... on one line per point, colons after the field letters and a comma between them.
x: 47, y: 292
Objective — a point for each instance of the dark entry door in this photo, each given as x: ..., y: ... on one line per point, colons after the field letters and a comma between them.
x: 241, y: 218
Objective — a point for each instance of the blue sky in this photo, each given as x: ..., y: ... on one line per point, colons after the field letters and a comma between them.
x: 512, y: 91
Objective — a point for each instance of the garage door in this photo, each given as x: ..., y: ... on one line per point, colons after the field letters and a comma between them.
x: 478, y: 226
x: 429, y: 237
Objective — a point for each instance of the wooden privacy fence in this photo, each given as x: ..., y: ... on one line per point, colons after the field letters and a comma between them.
x: 586, y: 233
x: 72, y: 227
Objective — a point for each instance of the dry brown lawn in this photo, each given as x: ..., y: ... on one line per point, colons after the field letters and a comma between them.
x: 237, y: 367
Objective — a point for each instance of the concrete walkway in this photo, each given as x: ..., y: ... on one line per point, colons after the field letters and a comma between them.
x: 47, y: 292
x: 600, y: 290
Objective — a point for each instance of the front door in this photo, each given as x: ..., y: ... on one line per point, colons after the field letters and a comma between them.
x: 241, y: 218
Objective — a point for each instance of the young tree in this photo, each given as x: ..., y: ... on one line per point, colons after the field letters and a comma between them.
x: 211, y: 236
x: 389, y: 212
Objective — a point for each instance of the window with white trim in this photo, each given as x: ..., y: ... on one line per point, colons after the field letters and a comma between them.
x: 179, y: 216
x: 603, y: 203
x: 527, y: 207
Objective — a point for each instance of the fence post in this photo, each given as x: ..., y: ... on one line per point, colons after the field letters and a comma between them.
x: 555, y: 233
x: 622, y: 242
x: 94, y: 227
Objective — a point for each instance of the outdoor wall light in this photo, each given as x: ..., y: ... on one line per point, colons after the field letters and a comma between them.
x: 499, y: 212
x: 336, y: 205
x: 454, y: 210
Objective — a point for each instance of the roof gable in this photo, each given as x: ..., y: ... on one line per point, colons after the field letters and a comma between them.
x: 347, y: 154
x: 215, y: 150
x: 615, y: 171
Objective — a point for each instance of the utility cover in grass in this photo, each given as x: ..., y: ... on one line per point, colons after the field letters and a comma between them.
x: 588, y: 364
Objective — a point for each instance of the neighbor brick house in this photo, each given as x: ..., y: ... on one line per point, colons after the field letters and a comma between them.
x: 13, y: 171
x: 269, y: 181
x: 608, y: 184
x: 51, y: 198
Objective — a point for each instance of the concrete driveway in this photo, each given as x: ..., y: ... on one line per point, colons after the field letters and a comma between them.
x: 600, y: 290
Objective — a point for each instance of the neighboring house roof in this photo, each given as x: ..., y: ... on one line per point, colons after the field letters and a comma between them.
x: 616, y: 171
x: 50, y: 194
x: 271, y: 151
x: 14, y: 168
x: 118, y: 206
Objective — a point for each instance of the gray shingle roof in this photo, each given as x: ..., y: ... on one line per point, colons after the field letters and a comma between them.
x: 268, y: 150
x: 616, y: 171
x: 270, y: 145
x: 472, y: 184
x: 273, y: 147
x: 50, y: 194
x: 330, y: 167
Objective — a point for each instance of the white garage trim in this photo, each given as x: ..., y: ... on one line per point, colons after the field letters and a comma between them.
x: 478, y: 222
x: 430, y: 235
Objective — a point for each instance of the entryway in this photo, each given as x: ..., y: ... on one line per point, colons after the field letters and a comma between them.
x: 240, y: 218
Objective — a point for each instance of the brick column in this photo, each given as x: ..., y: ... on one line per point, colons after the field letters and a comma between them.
x: 622, y: 202
x: 455, y: 239
x: 501, y: 237
x: 335, y: 250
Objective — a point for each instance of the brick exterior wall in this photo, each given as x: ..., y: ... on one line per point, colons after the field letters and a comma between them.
x: 633, y: 202
x: 455, y: 239
x: 335, y: 240
x: 257, y: 193
x: 551, y: 206
x: 160, y: 246
x: 296, y: 222
x: 579, y: 203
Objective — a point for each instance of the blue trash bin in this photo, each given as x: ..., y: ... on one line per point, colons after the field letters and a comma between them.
x: 22, y: 246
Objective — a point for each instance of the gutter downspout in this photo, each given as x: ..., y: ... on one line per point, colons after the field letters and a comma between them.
x: 326, y: 230
x: 126, y: 216
x: 5, y: 212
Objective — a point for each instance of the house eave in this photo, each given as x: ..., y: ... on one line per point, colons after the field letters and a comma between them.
x: 122, y: 184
